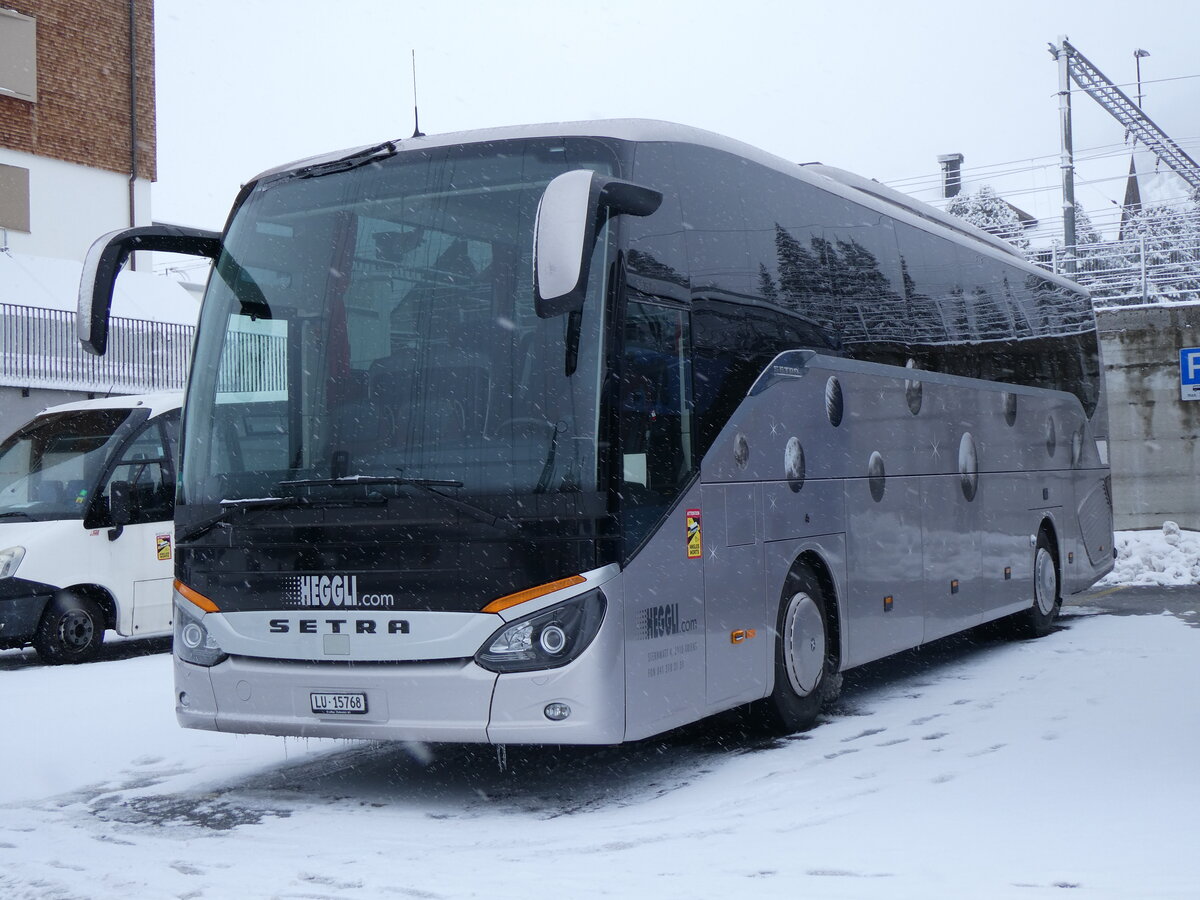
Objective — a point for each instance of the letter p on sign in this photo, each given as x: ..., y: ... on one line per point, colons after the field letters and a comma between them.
x: 1189, y: 373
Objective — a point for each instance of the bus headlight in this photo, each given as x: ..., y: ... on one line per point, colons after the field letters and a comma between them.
x: 193, y: 643
x: 9, y: 560
x: 546, y: 639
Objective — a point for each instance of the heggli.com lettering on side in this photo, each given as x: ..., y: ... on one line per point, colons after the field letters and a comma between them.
x: 662, y: 621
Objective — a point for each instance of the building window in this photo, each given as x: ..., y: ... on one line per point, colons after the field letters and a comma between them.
x: 18, y: 56
x: 14, y: 198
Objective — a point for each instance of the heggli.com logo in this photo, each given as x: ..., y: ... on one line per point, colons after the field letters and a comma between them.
x: 330, y: 590
x: 662, y: 621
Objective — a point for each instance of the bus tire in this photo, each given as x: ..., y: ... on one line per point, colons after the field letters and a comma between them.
x: 805, y: 671
x: 71, y: 630
x: 1038, y: 620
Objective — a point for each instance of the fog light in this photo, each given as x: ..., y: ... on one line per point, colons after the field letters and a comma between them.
x: 553, y: 639
x: 556, y: 712
x: 193, y: 635
x: 183, y: 699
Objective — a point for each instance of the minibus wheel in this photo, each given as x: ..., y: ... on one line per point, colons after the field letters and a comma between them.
x: 71, y: 629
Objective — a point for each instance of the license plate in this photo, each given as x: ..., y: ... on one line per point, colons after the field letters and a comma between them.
x: 338, y: 704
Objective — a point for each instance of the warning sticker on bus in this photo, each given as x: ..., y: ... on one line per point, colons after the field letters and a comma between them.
x: 693, y: 534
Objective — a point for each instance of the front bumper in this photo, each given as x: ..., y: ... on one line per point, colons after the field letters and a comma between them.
x: 438, y: 701
x: 22, y: 603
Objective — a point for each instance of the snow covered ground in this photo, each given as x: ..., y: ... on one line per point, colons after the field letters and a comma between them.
x: 972, y: 768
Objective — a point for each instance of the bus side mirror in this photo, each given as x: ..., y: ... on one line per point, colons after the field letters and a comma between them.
x: 569, y: 217
x: 104, y: 261
x: 120, y: 507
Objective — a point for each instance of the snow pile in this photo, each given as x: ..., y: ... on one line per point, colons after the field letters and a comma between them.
x: 1167, y: 557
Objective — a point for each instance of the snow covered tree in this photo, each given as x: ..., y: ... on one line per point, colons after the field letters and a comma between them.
x: 1169, y: 239
x: 985, y: 209
x: 1085, y: 231
x: 1171, y: 236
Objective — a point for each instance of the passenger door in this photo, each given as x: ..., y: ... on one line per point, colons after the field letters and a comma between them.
x: 142, y: 555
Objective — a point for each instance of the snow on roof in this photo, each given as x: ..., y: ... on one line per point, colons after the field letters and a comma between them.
x: 156, y: 403
x: 47, y: 283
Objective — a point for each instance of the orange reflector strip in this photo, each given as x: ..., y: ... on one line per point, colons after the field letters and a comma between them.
x: 195, y: 597
x: 533, y: 593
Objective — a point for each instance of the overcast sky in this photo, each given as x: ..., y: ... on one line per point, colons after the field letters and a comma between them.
x: 880, y: 88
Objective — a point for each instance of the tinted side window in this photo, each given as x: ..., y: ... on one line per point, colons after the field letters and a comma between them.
x: 789, y: 255
x: 1065, y: 344
x: 713, y: 219
x: 933, y: 293
x: 656, y: 260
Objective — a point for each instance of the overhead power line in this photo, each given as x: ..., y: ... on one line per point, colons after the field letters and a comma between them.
x: 983, y: 173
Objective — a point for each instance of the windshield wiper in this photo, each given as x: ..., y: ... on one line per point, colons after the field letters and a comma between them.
x: 254, y: 503
x: 427, y: 486
x: 228, y: 507
x: 14, y: 513
x: 352, y: 161
x: 353, y: 480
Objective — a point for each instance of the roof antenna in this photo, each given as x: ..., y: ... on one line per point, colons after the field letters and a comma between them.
x: 417, y: 132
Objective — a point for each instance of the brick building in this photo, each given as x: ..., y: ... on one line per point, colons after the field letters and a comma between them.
x: 68, y: 127
x: 78, y: 155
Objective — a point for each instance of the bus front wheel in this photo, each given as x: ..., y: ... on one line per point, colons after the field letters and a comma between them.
x: 71, y: 630
x: 804, y: 664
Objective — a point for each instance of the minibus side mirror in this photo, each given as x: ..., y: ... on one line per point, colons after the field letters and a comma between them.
x: 569, y: 216
x: 120, y: 507
x: 108, y: 254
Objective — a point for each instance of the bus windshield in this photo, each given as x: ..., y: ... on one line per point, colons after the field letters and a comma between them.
x: 49, y: 468
x: 370, y: 332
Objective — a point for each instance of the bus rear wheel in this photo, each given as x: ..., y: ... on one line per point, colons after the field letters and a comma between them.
x: 71, y: 630
x: 804, y: 661
x: 1038, y: 619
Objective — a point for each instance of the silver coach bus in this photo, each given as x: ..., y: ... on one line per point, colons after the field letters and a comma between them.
x: 576, y: 433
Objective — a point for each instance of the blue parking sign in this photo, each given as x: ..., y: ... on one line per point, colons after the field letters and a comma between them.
x: 1189, y: 373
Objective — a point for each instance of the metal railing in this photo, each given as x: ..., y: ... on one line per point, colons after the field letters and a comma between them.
x: 1133, y: 271
x: 39, y: 348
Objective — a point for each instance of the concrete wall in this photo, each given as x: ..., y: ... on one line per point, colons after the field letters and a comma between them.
x: 1153, y: 432
x: 16, y: 409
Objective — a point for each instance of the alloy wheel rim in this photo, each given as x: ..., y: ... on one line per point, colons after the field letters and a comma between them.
x: 1045, y: 581
x: 804, y: 644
